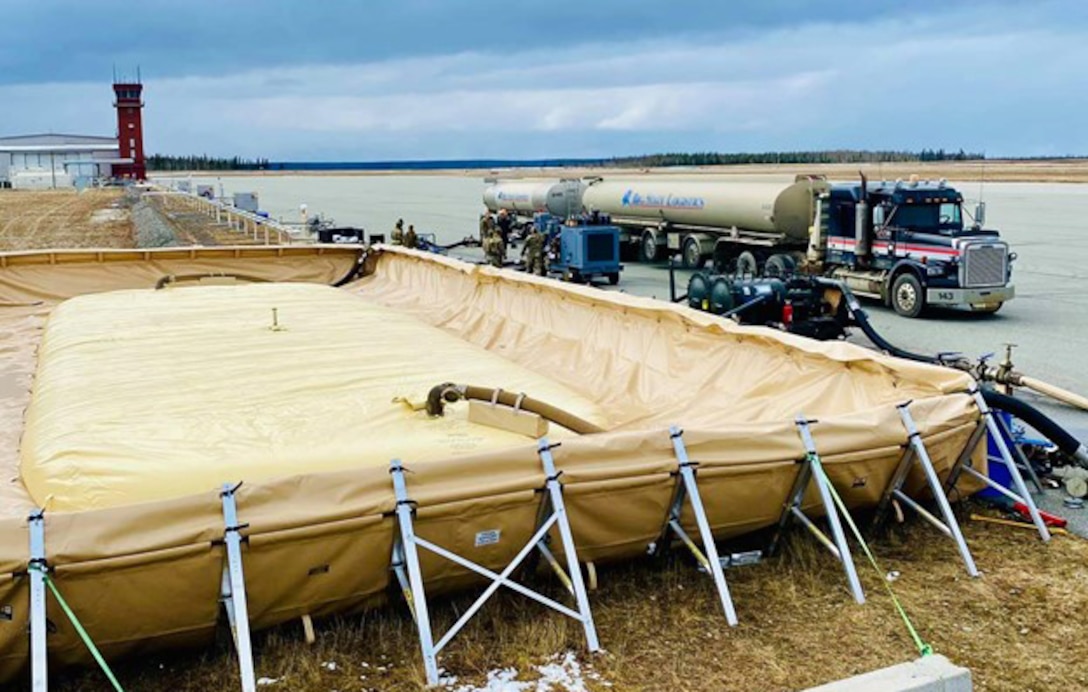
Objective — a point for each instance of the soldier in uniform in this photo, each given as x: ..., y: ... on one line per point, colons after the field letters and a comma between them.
x: 504, y: 222
x: 410, y: 238
x: 493, y: 248
x: 397, y: 236
x: 486, y: 224
x: 533, y: 252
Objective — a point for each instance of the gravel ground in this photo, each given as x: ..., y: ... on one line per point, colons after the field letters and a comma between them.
x: 152, y: 230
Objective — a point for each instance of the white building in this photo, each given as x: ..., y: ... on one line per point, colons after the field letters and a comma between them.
x: 56, y: 161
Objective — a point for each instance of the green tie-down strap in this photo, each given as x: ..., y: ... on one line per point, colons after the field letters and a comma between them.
x: 923, y: 648
x: 79, y: 628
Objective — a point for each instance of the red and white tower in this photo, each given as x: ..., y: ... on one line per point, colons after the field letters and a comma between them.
x: 130, y: 130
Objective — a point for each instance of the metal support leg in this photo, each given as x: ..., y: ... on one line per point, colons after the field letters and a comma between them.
x: 406, y: 559
x: 964, y: 459
x: 555, y: 494
x: 39, y: 666
x: 899, y: 476
x: 688, y: 488
x: 791, y: 507
x: 950, y: 526
x: 1021, y: 461
x: 1010, y: 464
x: 233, y: 588
x: 822, y: 482
x: 406, y: 547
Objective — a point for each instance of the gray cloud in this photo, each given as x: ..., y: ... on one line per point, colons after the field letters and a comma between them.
x: 985, y: 81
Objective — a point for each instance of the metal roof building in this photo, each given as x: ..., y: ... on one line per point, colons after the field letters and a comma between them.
x: 57, y: 160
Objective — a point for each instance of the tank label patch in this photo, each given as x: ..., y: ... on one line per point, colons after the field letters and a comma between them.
x: 632, y: 198
x: 488, y: 537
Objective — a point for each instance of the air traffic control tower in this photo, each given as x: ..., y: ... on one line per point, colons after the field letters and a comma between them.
x: 130, y: 130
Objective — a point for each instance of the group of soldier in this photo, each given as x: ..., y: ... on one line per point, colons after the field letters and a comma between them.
x: 408, y: 238
x: 495, y: 238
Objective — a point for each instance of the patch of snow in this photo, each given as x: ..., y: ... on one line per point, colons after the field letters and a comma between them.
x: 261, y: 682
x: 560, y: 673
x: 107, y: 215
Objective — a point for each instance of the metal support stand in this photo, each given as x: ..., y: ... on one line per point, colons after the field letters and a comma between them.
x: 916, y: 452
x: 407, y: 569
x: 687, y: 488
x: 233, y: 588
x: 1004, y: 425
x: 963, y: 465
x: 39, y: 662
x: 812, y: 470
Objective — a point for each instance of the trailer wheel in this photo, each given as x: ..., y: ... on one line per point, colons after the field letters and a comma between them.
x: 648, y: 246
x: 692, y: 256
x: 907, y: 297
x: 779, y: 266
x: 747, y: 265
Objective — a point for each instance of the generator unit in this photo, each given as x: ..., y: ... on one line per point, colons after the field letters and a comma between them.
x: 579, y: 252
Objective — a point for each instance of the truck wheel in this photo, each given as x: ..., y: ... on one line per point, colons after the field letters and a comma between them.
x: 692, y: 255
x: 613, y: 278
x: 648, y: 246
x: 779, y: 266
x: 747, y: 264
x: 907, y: 297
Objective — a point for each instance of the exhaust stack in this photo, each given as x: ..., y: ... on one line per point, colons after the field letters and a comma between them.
x: 861, y: 221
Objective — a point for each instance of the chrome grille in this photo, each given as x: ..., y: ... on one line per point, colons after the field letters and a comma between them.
x: 985, y: 265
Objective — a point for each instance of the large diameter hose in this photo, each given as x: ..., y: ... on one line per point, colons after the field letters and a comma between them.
x: 1054, y: 392
x: 1040, y: 421
x: 449, y: 392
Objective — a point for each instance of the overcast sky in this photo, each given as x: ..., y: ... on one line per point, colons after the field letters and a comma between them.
x: 439, y: 79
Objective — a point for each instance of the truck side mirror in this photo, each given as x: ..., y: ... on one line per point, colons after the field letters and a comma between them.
x: 980, y: 214
x: 878, y: 215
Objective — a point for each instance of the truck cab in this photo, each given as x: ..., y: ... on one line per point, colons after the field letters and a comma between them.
x: 907, y: 243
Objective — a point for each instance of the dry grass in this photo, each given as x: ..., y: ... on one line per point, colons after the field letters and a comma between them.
x: 35, y: 219
x: 1019, y: 627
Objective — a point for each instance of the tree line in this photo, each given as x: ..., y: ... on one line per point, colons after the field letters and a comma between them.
x: 160, y: 162
x: 792, y: 157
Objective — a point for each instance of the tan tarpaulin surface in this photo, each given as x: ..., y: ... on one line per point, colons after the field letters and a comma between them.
x: 147, y: 394
x: 146, y: 575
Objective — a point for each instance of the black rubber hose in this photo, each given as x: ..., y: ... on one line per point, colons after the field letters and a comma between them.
x: 355, y: 271
x: 861, y: 318
x: 1040, y: 421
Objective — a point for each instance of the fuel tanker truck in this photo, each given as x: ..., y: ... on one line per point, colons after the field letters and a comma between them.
x: 525, y: 198
x: 905, y: 243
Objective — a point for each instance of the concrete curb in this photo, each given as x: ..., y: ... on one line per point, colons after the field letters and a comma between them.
x: 927, y: 674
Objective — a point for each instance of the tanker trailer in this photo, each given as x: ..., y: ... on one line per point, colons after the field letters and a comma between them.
x: 524, y: 198
x: 662, y: 217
